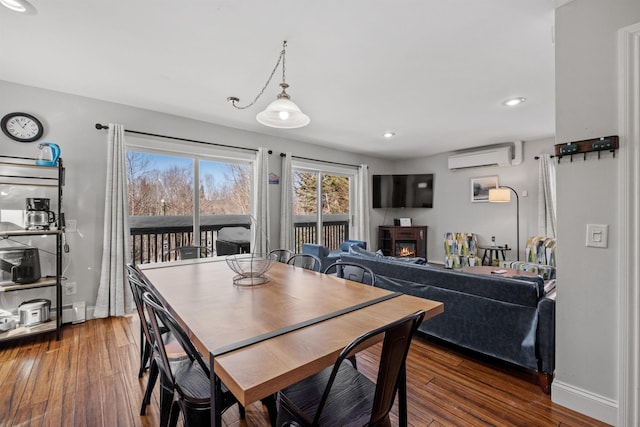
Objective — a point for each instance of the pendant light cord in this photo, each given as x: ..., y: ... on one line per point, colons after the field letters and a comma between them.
x: 233, y: 100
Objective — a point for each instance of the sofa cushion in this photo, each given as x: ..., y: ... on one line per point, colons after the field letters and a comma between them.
x: 347, y: 244
x: 547, y: 272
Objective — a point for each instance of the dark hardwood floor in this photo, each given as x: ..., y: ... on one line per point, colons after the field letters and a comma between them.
x: 89, y: 378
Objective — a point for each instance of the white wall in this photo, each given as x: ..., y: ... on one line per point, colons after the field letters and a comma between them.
x: 69, y: 122
x: 587, y: 304
x: 454, y: 211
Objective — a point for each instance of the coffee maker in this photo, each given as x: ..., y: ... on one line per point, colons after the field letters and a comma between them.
x: 38, y: 215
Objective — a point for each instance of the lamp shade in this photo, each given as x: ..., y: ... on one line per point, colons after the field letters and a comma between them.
x: 284, y: 114
x: 499, y: 195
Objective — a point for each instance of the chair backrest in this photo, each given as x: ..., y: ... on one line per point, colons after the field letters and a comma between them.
x: 158, y: 315
x: 283, y: 254
x: 139, y: 287
x: 306, y: 261
x: 460, y: 250
x: 541, y: 250
x: 352, y: 271
x: 395, y: 347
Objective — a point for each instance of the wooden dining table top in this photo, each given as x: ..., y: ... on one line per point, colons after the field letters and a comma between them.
x: 263, y: 338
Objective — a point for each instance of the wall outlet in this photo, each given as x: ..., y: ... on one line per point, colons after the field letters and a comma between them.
x: 70, y: 288
x: 70, y: 226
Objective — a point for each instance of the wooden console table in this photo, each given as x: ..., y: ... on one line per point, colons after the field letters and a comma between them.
x: 391, y: 238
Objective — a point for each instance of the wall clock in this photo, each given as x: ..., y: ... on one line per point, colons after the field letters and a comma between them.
x: 22, y: 127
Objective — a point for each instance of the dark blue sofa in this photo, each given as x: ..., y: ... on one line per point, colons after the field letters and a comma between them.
x: 511, y: 319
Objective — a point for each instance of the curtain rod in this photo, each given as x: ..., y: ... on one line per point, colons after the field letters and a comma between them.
x: 320, y: 161
x: 100, y: 127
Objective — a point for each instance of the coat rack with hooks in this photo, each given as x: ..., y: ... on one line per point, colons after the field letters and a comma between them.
x: 604, y: 143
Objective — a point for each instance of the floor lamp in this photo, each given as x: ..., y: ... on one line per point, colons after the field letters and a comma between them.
x: 503, y: 195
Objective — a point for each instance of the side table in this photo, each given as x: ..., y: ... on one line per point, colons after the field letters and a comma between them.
x: 492, y: 252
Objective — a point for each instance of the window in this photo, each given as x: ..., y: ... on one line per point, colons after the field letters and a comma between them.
x: 322, y: 213
x: 170, y: 208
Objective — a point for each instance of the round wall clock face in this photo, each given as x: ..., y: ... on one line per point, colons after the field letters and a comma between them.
x: 22, y: 127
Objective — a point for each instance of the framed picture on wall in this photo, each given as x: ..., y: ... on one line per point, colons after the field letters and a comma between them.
x: 480, y: 188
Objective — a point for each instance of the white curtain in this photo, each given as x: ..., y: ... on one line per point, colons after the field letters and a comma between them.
x: 362, y: 205
x: 260, y: 210
x: 286, y: 204
x: 114, y: 294
x: 547, y: 222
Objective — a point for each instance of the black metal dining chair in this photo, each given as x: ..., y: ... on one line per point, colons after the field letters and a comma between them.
x: 357, y: 273
x: 133, y: 276
x: 190, y: 377
x: 340, y: 395
x: 148, y: 357
x: 283, y: 254
x: 306, y: 261
x: 352, y: 271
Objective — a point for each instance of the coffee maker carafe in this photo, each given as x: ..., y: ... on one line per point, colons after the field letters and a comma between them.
x: 38, y: 215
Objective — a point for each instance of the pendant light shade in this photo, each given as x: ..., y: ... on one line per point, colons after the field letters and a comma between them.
x: 281, y: 113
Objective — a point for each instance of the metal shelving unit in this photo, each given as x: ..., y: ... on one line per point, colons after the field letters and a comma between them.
x: 22, y: 171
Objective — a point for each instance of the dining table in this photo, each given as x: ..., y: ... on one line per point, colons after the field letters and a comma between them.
x: 262, y: 338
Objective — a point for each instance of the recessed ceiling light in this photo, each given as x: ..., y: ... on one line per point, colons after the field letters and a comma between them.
x: 21, y: 6
x: 514, y: 101
x: 389, y: 134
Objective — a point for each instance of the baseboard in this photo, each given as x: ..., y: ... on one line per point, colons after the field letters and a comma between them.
x: 585, y: 402
x: 68, y: 313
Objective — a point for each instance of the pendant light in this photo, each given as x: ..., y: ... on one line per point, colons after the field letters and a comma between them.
x: 281, y: 113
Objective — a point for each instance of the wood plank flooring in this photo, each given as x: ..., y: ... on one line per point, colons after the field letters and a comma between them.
x: 89, y: 378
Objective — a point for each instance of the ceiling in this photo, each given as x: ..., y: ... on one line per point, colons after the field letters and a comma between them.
x: 434, y: 72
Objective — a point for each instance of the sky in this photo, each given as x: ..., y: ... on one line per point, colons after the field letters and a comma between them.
x: 164, y: 162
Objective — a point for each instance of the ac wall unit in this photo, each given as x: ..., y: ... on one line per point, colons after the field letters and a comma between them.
x: 497, y: 156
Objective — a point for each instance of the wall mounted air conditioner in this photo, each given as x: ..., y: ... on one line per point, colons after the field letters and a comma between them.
x: 495, y: 156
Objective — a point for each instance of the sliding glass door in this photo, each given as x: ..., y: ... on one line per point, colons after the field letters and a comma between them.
x: 322, y: 205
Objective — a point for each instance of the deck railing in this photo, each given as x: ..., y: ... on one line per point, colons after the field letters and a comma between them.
x: 154, y: 238
x: 335, y: 230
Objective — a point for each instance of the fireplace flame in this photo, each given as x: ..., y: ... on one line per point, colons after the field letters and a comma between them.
x: 406, y: 252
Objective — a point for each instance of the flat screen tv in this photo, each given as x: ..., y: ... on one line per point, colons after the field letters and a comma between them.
x: 403, y: 191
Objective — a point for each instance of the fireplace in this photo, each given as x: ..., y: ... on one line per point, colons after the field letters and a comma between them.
x: 401, y: 241
x: 406, y: 248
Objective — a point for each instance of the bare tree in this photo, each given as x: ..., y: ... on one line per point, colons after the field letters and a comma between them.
x: 155, y: 191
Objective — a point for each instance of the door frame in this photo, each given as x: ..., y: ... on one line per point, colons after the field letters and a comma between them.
x: 629, y: 219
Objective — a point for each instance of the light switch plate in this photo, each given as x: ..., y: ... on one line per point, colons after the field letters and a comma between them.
x: 597, y: 235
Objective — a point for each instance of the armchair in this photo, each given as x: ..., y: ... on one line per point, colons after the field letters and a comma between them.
x: 460, y: 250
x: 329, y: 257
x: 540, y: 257
x: 344, y: 248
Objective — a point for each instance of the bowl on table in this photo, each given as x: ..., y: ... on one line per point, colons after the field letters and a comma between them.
x: 250, y: 269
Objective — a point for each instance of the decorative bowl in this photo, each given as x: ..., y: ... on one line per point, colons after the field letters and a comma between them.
x: 250, y: 268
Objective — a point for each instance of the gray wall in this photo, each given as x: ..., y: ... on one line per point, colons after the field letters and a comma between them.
x: 454, y: 211
x: 587, y: 107
x: 69, y: 122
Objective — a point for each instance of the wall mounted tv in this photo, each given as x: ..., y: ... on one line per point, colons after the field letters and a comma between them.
x: 402, y: 191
